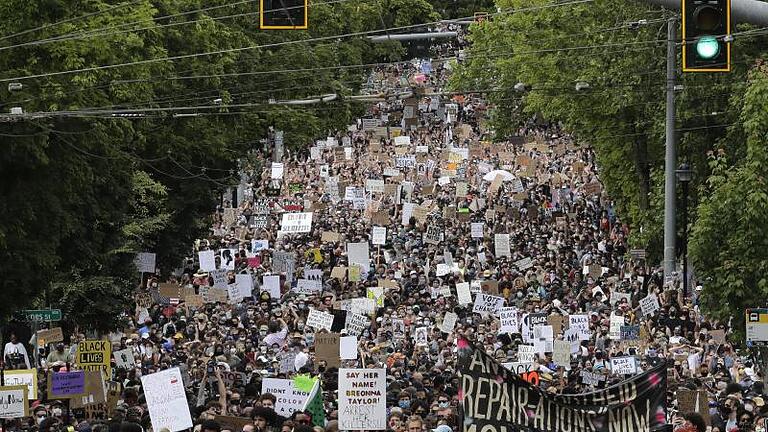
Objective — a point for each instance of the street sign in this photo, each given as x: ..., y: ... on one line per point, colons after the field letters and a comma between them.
x: 42, y: 314
x: 757, y: 325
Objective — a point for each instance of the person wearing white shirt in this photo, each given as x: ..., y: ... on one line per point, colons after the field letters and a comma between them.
x: 13, y: 352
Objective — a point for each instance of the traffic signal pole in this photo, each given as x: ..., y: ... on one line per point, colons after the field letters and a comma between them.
x: 670, y: 156
x: 742, y: 11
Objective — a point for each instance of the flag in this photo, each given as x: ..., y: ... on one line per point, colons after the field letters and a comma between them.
x: 314, y: 405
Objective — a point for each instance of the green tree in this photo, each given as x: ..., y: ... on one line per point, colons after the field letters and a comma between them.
x: 729, y: 245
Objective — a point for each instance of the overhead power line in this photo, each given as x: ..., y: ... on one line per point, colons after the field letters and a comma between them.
x: 270, y: 45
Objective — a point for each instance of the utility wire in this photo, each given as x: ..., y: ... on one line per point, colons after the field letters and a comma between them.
x: 269, y: 45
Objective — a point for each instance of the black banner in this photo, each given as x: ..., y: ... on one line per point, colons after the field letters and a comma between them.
x: 495, y: 399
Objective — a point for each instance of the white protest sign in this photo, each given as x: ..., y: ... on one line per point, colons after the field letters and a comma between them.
x: 244, y: 284
x: 649, y: 305
x: 487, y: 304
x: 501, y: 245
x: 360, y: 305
x: 449, y: 322
x: 23, y: 377
x: 167, y: 400
x: 145, y: 262
x: 358, y: 253
x: 624, y: 365
x: 288, y: 398
x: 562, y: 353
x: 362, y: 399
x: 271, y: 284
x: 442, y: 269
x: 207, y: 260
x: 581, y: 323
x: 379, y: 235
x: 526, y: 353
x: 277, y: 171
x: 296, y: 223
x: 477, y: 229
x: 220, y: 279
x: 308, y: 286
x: 259, y: 245
x: 572, y: 336
x: 14, y: 402
x: 614, y: 331
x: 374, y: 185
x: 124, y: 358
x: 355, y: 323
x: 543, y: 332
x: 463, y: 293
x: 319, y: 320
x: 348, y: 347
x: 407, y: 213
x: 509, y: 321
x: 402, y: 140
x: 524, y: 264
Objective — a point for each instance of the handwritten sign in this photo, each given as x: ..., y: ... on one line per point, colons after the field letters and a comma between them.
x: 319, y: 320
x: 288, y: 397
x: 65, y: 385
x: 167, y: 400
x: 95, y: 355
x: 362, y: 399
x: 13, y: 402
x: 487, y: 304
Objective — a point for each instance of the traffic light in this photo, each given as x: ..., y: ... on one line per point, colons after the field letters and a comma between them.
x: 706, y: 35
x: 283, y: 14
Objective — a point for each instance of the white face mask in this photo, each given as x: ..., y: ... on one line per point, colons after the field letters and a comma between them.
x: 56, y: 412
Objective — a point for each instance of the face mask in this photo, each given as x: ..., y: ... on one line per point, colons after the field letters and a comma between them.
x: 300, y: 326
x: 404, y: 404
x: 233, y: 351
x: 40, y: 419
x: 56, y: 411
x: 263, y: 332
x: 444, y: 404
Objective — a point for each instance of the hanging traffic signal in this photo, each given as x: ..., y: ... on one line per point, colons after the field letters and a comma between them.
x: 706, y: 35
x: 283, y: 14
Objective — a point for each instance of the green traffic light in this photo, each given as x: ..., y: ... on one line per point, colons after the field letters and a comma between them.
x: 707, y: 47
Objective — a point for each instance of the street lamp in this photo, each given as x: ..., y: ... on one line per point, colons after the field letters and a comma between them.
x: 684, y: 174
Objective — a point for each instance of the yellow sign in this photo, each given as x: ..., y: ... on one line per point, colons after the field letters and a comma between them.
x: 95, y: 355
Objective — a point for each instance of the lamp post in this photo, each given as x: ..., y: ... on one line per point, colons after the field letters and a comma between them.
x: 684, y: 175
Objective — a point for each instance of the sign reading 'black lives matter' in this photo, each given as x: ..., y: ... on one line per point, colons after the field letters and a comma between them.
x: 496, y: 400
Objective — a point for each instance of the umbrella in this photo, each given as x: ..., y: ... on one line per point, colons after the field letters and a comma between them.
x: 505, y: 175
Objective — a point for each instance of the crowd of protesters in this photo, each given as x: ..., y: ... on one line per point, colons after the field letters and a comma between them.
x: 551, y: 205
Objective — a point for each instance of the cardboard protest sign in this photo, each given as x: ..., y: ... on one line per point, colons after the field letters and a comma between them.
x: 15, y: 402
x: 51, y: 335
x: 362, y: 399
x: 487, y: 304
x: 234, y: 379
x: 693, y: 401
x: 95, y: 355
x: 167, y: 400
x: 526, y: 353
x: 490, y: 286
x: 330, y: 237
x: 327, y: 348
x: 66, y: 385
x: 556, y: 321
x: 339, y: 272
x: 94, y: 391
x: 233, y: 423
